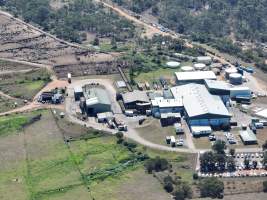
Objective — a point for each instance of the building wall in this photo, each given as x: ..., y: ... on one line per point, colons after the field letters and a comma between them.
x: 166, y: 110
x: 78, y: 95
x: 208, y: 122
x: 98, y: 108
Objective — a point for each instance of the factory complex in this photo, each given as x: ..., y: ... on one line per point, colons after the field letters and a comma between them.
x: 197, y: 101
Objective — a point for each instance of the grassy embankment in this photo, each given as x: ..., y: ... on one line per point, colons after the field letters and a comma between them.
x: 36, y: 163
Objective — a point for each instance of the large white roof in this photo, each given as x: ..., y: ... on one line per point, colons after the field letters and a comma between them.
x: 195, y: 75
x: 198, y: 101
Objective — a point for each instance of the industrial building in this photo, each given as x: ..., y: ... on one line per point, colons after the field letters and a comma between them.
x: 161, y: 105
x: 194, y: 77
x: 200, y: 107
x: 219, y: 88
x: 136, y: 100
x: 97, y: 100
x: 240, y: 94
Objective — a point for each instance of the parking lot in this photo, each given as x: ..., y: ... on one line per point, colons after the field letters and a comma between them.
x: 254, y: 168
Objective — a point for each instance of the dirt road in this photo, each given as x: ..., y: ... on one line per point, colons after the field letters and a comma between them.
x: 150, y: 30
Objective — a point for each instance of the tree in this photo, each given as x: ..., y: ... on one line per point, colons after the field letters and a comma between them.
x: 232, y: 152
x: 156, y: 164
x: 182, y: 191
x: 211, y: 187
x: 219, y: 146
x: 96, y: 41
x: 168, y: 186
x: 231, y: 164
x: 246, y: 163
x: 119, y: 135
x: 113, y: 43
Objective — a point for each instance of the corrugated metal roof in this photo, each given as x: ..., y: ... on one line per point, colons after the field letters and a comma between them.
x: 96, y: 95
x: 136, y: 95
x: 198, y: 101
x: 248, y: 136
x: 78, y: 89
x: 219, y: 85
x: 195, y: 75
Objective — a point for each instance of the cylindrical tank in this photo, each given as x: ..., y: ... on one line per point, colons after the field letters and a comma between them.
x: 173, y: 64
x: 235, y: 78
x: 229, y: 71
x: 199, y: 66
x: 187, y: 69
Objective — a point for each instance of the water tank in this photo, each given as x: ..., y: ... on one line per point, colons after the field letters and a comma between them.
x: 187, y: 69
x: 228, y: 71
x: 235, y: 79
x: 199, y: 66
x: 173, y: 64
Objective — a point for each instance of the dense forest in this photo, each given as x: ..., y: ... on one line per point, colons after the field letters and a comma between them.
x: 243, y: 19
x: 71, y: 21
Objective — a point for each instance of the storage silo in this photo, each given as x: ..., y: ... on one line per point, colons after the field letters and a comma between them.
x: 235, y: 79
x: 199, y: 66
x: 187, y: 69
x: 228, y: 71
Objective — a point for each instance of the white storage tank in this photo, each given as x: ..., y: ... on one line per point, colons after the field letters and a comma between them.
x: 204, y: 59
x: 173, y: 64
x: 235, y: 79
x: 229, y: 71
x: 199, y: 66
x: 187, y: 69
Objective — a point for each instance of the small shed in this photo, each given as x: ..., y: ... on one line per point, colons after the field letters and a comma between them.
x: 248, y: 137
x: 121, y: 84
x: 167, y: 119
x: 78, y: 93
x: 198, y: 131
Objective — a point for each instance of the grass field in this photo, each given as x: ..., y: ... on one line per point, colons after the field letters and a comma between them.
x: 37, y: 164
x: 24, y: 85
x: 155, y: 133
x: 7, y: 104
x: 167, y: 73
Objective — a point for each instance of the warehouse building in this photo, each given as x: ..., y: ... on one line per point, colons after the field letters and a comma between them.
x: 161, y: 105
x: 240, y: 94
x: 200, y: 107
x: 97, y: 101
x: 136, y: 100
x: 194, y: 77
x: 219, y: 88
